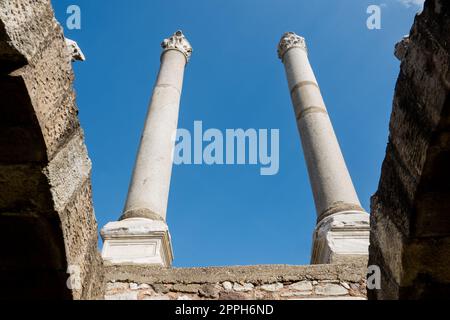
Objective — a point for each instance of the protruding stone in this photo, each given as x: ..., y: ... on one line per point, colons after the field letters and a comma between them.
x: 401, y: 48
x: 74, y: 50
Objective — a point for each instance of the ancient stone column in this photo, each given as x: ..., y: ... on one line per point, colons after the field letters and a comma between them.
x: 142, y: 235
x: 342, y: 230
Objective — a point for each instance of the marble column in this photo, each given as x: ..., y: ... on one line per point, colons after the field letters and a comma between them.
x: 142, y: 235
x: 342, y: 230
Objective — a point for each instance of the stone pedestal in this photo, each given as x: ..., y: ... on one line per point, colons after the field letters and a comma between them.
x: 341, y: 238
x: 137, y: 241
x: 142, y: 235
x: 334, y: 194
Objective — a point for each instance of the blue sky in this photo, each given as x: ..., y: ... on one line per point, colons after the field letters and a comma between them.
x: 231, y: 215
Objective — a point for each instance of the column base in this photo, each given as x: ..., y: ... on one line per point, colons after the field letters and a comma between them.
x: 342, y: 238
x: 137, y: 241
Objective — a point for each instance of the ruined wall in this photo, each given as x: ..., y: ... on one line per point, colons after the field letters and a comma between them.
x: 345, y: 282
x: 47, y: 221
x: 410, y: 237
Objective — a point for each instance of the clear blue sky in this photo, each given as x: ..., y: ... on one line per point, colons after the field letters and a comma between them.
x: 230, y: 215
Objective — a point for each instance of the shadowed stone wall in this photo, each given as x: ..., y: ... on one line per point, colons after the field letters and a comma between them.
x: 410, y: 237
x: 47, y: 221
x: 273, y: 282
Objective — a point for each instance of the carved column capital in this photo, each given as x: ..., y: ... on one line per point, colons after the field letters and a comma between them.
x: 178, y: 42
x: 288, y: 41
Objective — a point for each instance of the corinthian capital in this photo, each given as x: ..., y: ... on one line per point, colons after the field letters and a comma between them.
x: 178, y: 42
x: 288, y: 41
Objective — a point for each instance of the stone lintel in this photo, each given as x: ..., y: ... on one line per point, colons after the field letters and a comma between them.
x: 263, y: 274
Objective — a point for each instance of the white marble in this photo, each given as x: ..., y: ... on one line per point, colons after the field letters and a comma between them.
x: 330, y: 180
x: 341, y: 235
x: 150, y: 184
x: 137, y: 241
x: 142, y: 235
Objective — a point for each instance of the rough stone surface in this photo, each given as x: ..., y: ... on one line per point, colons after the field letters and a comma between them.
x: 246, y: 287
x: 46, y: 214
x: 275, y: 282
x: 302, y: 286
x: 272, y: 287
x: 410, y: 236
x: 227, y: 285
x: 74, y: 50
x: 330, y: 289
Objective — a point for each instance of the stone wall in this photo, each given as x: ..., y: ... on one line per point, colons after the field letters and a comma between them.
x: 410, y: 238
x: 47, y: 223
x: 275, y: 282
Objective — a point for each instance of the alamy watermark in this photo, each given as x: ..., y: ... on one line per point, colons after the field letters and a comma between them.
x: 374, y: 20
x: 73, y: 21
x: 374, y: 277
x: 232, y: 147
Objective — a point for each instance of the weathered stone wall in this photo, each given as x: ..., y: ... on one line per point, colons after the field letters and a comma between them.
x: 410, y: 237
x: 276, y: 282
x: 47, y: 222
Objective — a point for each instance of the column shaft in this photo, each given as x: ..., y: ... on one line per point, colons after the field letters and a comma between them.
x: 142, y: 235
x: 331, y: 183
x: 149, y: 188
x: 342, y: 231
